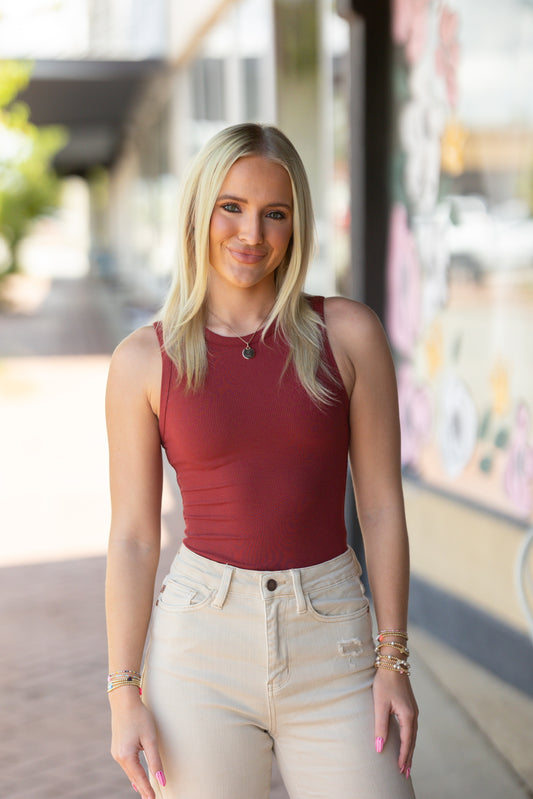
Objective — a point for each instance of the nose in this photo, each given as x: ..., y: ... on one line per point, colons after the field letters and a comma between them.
x: 251, y: 230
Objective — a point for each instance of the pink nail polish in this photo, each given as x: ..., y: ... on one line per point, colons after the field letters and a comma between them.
x: 134, y: 787
x: 379, y: 745
x: 407, y: 773
x: 160, y: 777
x: 402, y: 769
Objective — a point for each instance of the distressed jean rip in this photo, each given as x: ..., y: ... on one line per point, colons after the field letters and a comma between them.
x: 352, y: 649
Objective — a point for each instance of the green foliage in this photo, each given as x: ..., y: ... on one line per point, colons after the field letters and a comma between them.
x: 28, y: 184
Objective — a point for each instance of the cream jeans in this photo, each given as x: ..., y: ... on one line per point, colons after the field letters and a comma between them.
x: 243, y: 663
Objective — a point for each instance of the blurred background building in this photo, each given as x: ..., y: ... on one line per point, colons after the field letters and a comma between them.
x: 415, y: 121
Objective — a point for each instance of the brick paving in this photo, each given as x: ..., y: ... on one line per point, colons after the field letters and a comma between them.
x: 55, y: 739
x: 54, y: 718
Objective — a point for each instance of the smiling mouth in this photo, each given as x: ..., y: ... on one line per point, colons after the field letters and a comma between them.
x: 246, y: 256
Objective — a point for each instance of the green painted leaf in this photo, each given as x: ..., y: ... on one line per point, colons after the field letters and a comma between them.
x: 485, y: 464
x: 502, y: 438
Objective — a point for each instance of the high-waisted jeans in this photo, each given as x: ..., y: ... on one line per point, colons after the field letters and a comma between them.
x: 243, y: 663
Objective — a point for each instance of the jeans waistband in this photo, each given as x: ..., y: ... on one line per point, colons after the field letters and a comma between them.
x: 284, y: 582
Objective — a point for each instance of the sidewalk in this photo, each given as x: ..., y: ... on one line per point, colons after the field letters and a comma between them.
x: 475, y: 737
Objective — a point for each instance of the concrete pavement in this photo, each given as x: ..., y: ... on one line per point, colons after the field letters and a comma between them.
x: 475, y: 731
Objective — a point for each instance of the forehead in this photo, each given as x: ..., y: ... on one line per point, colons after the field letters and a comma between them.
x: 257, y: 175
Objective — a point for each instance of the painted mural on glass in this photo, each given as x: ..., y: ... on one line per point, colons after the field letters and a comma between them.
x: 460, y: 262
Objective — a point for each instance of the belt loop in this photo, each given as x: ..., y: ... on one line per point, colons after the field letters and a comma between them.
x: 223, y: 588
x: 301, y: 605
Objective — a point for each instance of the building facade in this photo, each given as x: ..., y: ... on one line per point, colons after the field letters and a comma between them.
x: 455, y: 289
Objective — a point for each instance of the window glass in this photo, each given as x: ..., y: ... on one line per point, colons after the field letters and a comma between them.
x: 460, y: 264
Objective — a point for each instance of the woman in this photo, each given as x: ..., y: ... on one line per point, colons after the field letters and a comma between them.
x: 261, y: 637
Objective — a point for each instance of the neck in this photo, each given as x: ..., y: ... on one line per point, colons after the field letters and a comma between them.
x: 240, y: 313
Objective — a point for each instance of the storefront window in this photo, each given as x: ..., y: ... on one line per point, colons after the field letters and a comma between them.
x: 460, y: 265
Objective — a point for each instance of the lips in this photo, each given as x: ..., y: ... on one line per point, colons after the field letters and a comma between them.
x: 246, y: 256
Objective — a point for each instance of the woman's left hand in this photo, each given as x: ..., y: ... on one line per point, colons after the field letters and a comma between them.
x: 393, y: 696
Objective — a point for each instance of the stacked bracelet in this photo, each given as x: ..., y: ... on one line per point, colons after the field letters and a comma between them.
x: 121, y: 678
x: 391, y: 662
x: 398, y: 633
x: 399, y: 647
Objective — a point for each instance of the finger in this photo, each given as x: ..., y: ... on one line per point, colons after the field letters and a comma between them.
x: 381, y: 725
x: 153, y: 759
x: 137, y: 775
x: 408, y: 727
x: 409, y: 760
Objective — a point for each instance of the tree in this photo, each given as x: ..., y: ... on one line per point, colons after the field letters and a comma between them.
x: 29, y: 185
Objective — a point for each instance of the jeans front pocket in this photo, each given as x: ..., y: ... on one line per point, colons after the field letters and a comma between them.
x: 342, y: 601
x: 179, y: 593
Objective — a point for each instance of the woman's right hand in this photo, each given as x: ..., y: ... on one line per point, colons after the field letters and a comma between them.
x: 133, y: 731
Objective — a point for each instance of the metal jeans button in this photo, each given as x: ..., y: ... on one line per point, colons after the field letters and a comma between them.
x: 272, y: 584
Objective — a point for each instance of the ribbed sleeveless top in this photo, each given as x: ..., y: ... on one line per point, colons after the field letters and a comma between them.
x: 261, y: 468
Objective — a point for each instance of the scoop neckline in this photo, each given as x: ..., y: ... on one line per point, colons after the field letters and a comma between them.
x: 256, y: 335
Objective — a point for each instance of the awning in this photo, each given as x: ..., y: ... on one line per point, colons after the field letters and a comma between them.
x: 93, y: 99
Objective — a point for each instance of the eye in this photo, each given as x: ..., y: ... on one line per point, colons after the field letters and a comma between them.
x: 276, y: 215
x: 231, y: 208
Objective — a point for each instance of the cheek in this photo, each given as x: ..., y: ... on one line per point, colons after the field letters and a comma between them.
x: 283, y: 240
x: 220, y: 228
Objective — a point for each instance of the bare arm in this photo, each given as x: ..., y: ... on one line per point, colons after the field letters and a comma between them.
x: 364, y: 358
x: 134, y: 542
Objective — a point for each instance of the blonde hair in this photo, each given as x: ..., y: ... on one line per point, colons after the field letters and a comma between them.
x: 183, y: 315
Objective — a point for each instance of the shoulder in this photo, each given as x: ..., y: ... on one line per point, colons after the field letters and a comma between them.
x: 356, y: 336
x: 344, y: 315
x: 136, y: 364
x: 137, y: 350
x: 353, y: 325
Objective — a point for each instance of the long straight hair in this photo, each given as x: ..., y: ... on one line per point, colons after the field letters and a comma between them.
x: 184, y: 312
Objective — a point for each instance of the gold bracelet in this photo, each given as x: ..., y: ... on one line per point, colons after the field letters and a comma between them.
x: 120, y: 678
x: 394, y: 645
x: 392, y: 668
x: 392, y: 663
x: 399, y: 633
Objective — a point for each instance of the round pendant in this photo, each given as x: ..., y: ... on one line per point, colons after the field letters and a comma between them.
x: 248, y: 352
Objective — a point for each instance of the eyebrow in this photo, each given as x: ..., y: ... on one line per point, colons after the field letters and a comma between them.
x: 242, y: 200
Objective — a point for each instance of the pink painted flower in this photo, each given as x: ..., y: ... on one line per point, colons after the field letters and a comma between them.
x: 415, y: 415
x: 518, y: 474
x: 410, y: 26
x: 448, y: 53
x: 403, y: 279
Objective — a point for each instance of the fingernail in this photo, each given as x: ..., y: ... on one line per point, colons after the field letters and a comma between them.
x: 134, y: 787
x: 402, y: 769
x: 407, y: 773
x: 160, y: 777
x: 379, y: 745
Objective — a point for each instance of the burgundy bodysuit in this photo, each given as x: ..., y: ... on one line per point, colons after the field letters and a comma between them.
x: 261, y: 468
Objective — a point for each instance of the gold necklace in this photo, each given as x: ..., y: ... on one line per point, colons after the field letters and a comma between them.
x: 248, y: 352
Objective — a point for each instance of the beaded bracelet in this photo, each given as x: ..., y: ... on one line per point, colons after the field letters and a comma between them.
x: 393, y: 645
x: 392, y: 663
x: 399, y: 633
x: 124, y: 672
x: 121, y: 678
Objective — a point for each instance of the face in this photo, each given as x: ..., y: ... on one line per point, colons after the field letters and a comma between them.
x: 251, y: 224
